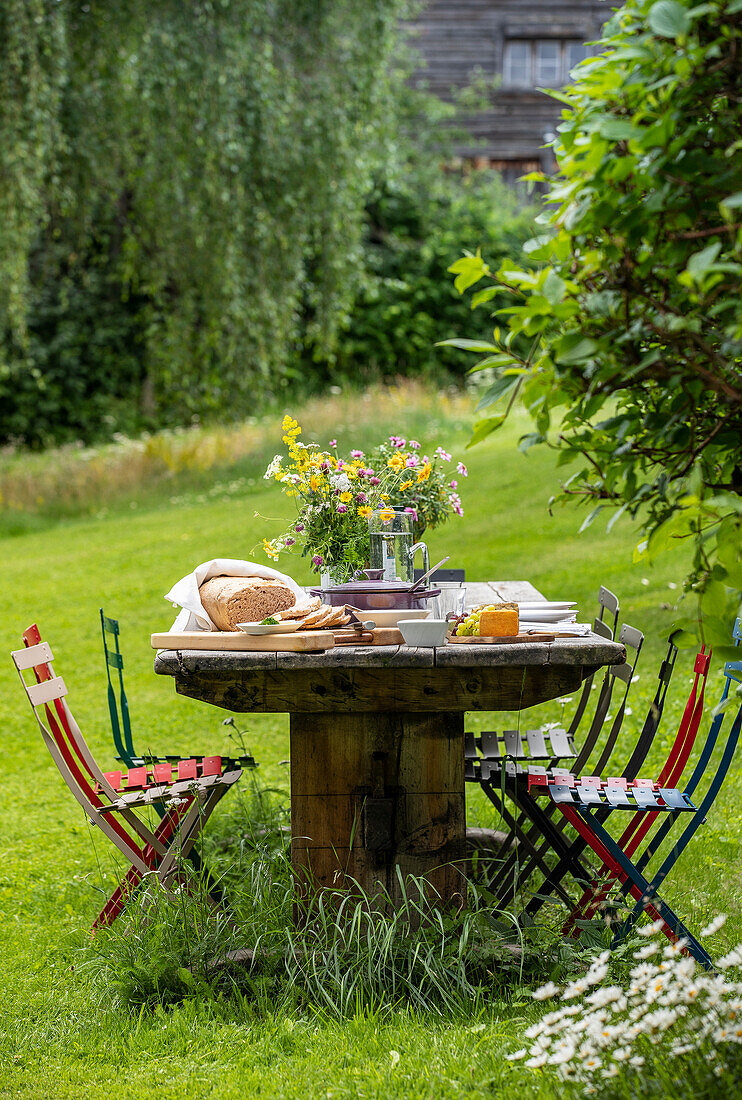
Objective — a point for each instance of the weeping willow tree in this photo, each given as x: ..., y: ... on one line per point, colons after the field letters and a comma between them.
x: 181, y: 198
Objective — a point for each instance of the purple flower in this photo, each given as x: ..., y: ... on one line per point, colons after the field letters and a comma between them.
x: 413, y: 443
x: 325, y: 465
x: 333, y: 442
x: 412, y: 512
x: 376, y: 481
x: 356, y: 454
x: 454, y: 484
x: 362, y: 472
x: 299, y: 528
x: 342, y: 508
x: 396, y: 440
x: 369, y: 472
x: 444, y: 455
x: 288, y: 541
x: 361, y: 498
x: 412, y: 460
x: 318, y: 560
x: 462, y: 469
x: 340, y: 464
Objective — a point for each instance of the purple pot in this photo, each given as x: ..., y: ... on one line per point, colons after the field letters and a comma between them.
x: 376, y: 595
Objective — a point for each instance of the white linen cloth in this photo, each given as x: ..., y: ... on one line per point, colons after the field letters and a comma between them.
x: 184, y: 593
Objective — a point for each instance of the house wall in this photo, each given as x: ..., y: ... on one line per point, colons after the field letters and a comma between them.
x: 455, y: 39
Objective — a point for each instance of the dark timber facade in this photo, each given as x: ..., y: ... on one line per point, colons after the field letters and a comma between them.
x: 525, y: 45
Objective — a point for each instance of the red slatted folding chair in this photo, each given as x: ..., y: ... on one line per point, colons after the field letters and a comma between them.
x: 578, y: 802
x: 110, y: 799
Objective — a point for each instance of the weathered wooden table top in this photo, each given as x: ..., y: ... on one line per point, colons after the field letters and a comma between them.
x: 592, y: 650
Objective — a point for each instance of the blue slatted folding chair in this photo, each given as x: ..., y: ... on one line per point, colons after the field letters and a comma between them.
x: 578, y: 805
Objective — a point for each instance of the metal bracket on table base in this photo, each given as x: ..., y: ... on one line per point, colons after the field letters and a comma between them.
x: 375, y: 814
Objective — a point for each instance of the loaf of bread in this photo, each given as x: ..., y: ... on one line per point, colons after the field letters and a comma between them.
x: 499, y: 622
x: 231, y: 600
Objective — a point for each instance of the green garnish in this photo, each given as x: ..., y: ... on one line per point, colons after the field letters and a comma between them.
x: 270, y: 621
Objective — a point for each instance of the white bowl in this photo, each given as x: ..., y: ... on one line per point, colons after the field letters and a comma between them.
x: 390, y: 617
x: 268, y: 628
x: 424, y: 632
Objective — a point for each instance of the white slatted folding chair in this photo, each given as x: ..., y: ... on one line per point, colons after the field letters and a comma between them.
x: 111, y: 799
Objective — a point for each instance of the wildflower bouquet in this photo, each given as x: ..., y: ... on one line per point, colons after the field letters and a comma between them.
x: 429, y: 489
x: 335, y: 496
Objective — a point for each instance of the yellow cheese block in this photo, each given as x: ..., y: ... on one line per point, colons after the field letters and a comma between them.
x: 499, y: 624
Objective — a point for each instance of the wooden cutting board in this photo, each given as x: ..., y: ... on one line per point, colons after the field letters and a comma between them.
x: 485, y: 639
x: 303, y: 641
x: 386, y: 635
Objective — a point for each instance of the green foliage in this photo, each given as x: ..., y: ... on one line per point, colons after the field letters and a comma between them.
x: 625, y: 343
x: 417, y: 220
x: 218, y: 155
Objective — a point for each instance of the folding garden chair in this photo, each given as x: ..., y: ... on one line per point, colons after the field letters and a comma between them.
x: 536, y: 829
x: 580, y: 801
x: 487, y: 755
x: 120, y: 716
x: 111, y: 799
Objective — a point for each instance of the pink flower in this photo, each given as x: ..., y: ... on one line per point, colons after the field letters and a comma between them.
x: 376, y: 481
x: 414, y: 444
x: 361, y: 498
x: 462, y: 469
x: 325, y: 465
x: 356, y: 454
x: 412, y: 460
x: 369, y: 472
x: 299, y: 528
x: 412, y: 512
x: 455, y: 501
x: 396, y: 440
x: 340, y: 464
x: 342, y: 508
x: 362, y: 472
x: 333, y: 442
x: 444, y: 455
x: 454, y: 484
x: 288, y: 541
x: 317, y: 560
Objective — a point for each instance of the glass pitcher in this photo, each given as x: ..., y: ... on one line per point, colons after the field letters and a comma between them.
x: 392, y: 548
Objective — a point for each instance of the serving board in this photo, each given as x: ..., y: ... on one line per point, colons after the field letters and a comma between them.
x: 487, y: 639
x: 303, y: 641
x: 381, y: 635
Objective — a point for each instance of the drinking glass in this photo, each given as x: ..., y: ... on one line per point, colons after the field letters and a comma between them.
x: 450, y: 602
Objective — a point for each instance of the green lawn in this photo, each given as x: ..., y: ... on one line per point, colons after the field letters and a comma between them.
x: 60, y: 1036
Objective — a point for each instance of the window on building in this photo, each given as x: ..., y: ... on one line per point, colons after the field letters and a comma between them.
x: 517, y: 72
x: 540, y: 62
x: 548, y: 63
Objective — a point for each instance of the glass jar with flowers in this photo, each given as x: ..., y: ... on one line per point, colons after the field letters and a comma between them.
x: 335, y: 497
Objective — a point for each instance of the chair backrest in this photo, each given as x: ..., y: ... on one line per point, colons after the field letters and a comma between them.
x: 632, y: 639
x: 732, y: 675
x: 118, y: 709
x: 604, y: 624
x: 654, y: 714
x: 64, y: 740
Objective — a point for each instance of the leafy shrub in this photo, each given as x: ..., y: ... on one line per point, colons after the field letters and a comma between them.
x: 626, y: 343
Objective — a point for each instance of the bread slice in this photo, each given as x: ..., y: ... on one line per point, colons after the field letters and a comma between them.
x: 231, y: 600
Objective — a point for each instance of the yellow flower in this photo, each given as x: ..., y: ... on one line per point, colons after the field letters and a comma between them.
x: 349, y: 471
x: 270, y: 549
x: 345, y: 498
x: 396, y: 463
x: 314, y: 483
x: 365, y: 511
x: 405, y: 485
x: 386, y: 515
x: 424, y: 472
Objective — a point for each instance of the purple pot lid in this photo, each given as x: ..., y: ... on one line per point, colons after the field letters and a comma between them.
x: 368, y: 588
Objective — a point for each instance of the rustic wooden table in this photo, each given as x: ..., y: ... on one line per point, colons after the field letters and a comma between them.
x: 377, y: 738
